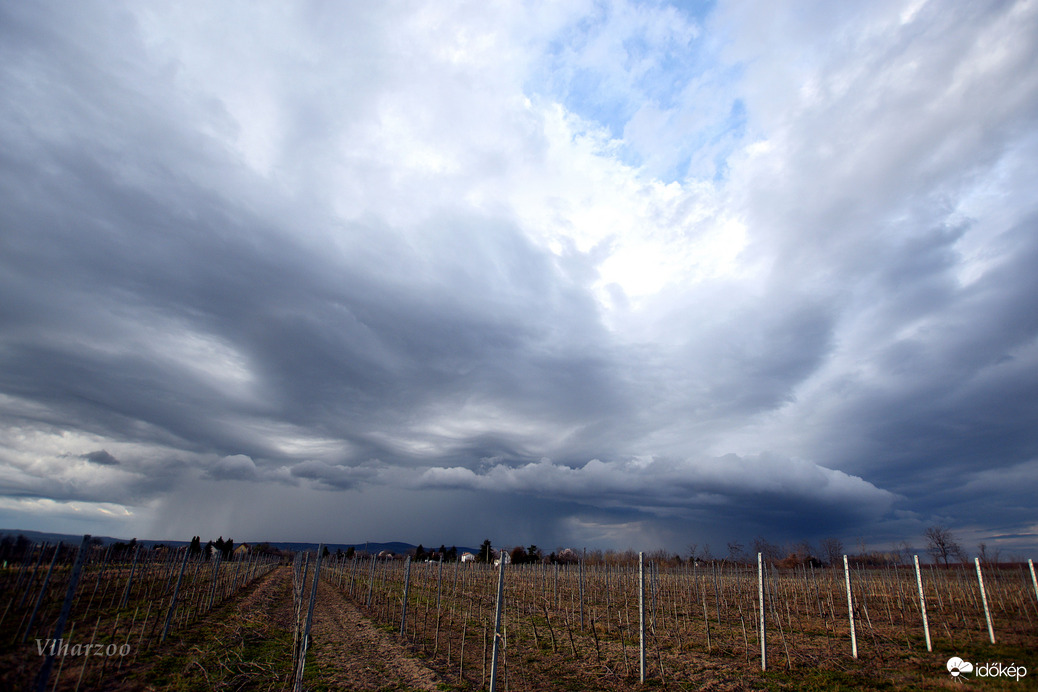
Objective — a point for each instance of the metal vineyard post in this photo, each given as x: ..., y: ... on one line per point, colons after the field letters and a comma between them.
x: 1034, y: 580
x: 850, y: 608
x: 66, y: 606
x: 984, y: 597
x: 641, y: 617
x: 497, y: 621
x: 763, y: 615
x: 176, y: 592
x: 43, y: 591
x: 922, y: 603
x: 407, y: 588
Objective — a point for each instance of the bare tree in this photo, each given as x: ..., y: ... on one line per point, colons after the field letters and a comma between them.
x: 695, y: 553
x: 768, y: 550
x: 801, y: 552
x: 901, y: 552
x: 803, y: 549
x: 942, y: 545
x: 989, y: 556
x: 735, y: 553
x: 832, y: 549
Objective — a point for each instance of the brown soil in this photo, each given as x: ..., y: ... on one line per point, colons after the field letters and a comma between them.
x: 229, y: 649
x: 350, y: 653
x: 246, y: 644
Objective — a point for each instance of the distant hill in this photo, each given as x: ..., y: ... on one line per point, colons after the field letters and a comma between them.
x: 395, y: 547
x: 76, y: 538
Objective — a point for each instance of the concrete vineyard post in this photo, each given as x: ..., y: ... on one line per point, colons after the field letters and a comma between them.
x: 66, y: 606
x: 922, y: 603
x: 984, y: 598
x: 763, y: 616
x: 850, y: 608
x: 497, y: 622
x: 641, y: 617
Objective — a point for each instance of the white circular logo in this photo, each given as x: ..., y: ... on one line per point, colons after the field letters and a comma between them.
x: 956, y: 666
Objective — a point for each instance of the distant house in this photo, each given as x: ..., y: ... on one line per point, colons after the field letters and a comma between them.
x: 242, y: 549
x: 385, y: 554
x: 502, y: 555
x: 468, y: 557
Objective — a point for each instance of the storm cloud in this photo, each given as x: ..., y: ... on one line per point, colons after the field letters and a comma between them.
x: 613, y: 274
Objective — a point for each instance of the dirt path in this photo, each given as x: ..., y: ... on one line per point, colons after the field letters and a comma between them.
x: 350, y: 653
x: 245, y: 644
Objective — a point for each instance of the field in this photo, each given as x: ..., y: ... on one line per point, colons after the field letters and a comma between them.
x: 169, y: 620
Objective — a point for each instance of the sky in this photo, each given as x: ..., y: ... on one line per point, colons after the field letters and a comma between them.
x: 589, y: 273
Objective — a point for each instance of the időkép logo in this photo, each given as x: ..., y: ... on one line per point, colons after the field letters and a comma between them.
x: 957, y: 667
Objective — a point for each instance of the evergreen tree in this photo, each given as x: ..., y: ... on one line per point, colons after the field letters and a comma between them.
x: 196, y: 546
x: 486, y: 552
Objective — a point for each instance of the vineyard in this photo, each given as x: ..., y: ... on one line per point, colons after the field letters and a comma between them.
x: 171, y: 618
x: 101, y: 611
x: 580, y: 627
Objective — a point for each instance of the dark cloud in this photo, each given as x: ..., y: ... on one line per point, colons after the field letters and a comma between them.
x: 100, y: 457
x: 308, y: 269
